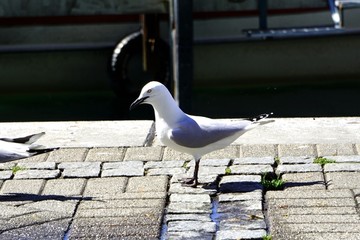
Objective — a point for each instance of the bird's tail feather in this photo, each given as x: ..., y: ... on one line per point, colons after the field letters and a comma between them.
x: 260, y: 117
x: 39, y: 151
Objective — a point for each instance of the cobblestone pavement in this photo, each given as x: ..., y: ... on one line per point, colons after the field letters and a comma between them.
x: 135, y: 193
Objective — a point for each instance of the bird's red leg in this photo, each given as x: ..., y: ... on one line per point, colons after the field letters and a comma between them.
x: 193, y: 182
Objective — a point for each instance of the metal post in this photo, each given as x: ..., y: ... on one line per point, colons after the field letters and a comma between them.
x: 262, y: 6
x: 181, y: 24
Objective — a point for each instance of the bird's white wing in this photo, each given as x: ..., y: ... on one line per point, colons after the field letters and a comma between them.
x: 25, y: 140
x: 10, y: 151
x: 204, y: 131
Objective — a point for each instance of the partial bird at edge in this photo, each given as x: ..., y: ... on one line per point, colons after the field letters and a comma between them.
x: 22, y: 147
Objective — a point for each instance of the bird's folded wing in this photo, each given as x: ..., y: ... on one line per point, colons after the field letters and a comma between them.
x: 191, y: 134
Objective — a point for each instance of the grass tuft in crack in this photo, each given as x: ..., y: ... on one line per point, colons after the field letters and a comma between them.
x: 227, y: 171
x: 272, y: 182
x: 186, y: 165
x: 267, y: 237
x: 322, y: 161
x: 17, y: 168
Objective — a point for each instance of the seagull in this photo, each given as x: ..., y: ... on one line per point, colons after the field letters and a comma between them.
x: 23, y: 147
x: 194, y: 135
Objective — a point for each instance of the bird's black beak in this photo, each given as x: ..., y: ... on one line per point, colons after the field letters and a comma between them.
x: 137, y: 102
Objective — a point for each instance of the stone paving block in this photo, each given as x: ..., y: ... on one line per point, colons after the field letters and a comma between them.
x: 105, y: 186
x: 317, y: 202
x: 8, y: 211
x: 258, y: 150
x: 198, y: 226
x: 231, y: 152
x: 240, y: 234
x: 345, y: 159
x: 186, y: 207
x: 251, y: 169
x: 81, y: 173
x: 297, y: 160
x: 125, y: 212
x: 207, y: 180
x: 321, y: 218
x: 299, y: 181
x: 170, y: 154
x: 327, y: 236
x: 254, y: 160
x: 37, y: 174
x: 37, y: 165
x: 293, y: 150
x: 116, y: 231
x: 80, y: 169
x: 341, y: 180
x: 32, y: 186
x: 132, y: 195
x: 298, y: 168
x: 5, y: 175
x: 31, y: 219
x: 67, y: 208
x: 206, y: 170
x: 240, y: 206
x: 105, y: 154
x: 129, y: 168
x: 177, y: 187
x: 122, y: 203
x: 342, y: 167
x: 211, y: 162
x: 125, y: 221
x: 203, y: 198
x: 143, y: 154
x: 79, y: 165
x: 64, y: 187
x: 37, y: 158
x: 323, y: 228
x: 194, y: 235
x: 7, y: 165
x: 356, y: 194
x: 310, y: 193
x: 49, y: 230
x: 240, y: 183
x: 147, y: 184
x: 68, y: 155
x: 336, y: 149
x: 165, y: 171
x: 164, y: 164
x: 273, y: 211
x: 187, y: 217
x: 242, y: 224
x: 231, y: 197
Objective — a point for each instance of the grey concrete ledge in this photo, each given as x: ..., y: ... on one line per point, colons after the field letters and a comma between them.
x: 338, y: 131
x: 83, y: 134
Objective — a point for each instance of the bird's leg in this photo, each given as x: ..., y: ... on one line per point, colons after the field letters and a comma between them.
x: 193, y: 182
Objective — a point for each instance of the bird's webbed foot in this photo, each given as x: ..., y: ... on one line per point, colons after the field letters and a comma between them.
x: 189, y: 182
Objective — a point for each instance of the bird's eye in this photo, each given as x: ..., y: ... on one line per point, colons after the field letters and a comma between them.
x: 149, y: 91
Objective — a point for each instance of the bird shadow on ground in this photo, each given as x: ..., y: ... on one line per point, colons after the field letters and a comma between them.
x: 11, y: 197
x: 246, y: 186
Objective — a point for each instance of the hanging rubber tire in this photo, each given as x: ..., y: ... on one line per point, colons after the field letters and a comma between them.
x: 128, y: 76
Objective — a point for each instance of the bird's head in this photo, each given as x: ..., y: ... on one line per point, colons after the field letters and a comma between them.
x: 150, y: 94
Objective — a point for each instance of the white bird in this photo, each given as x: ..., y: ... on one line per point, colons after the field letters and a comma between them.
x: 23, y: 147
x: 194, y: 135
